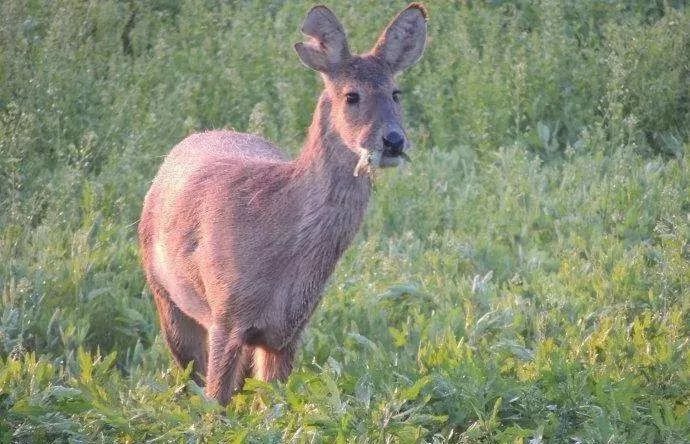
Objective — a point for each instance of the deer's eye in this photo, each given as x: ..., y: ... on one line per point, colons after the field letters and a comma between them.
x: 396, y: 96
x: 352, y: 98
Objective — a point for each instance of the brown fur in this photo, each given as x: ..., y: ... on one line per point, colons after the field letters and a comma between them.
x: 237, y: 241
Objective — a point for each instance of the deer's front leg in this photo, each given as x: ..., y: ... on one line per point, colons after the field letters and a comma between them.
x: 227, y: 364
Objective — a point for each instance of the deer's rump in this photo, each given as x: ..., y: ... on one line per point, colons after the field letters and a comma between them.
x: 201, y: 216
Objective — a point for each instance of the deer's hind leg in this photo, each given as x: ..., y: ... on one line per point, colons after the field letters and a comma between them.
x: 270, y: 364
x: 185, y: 337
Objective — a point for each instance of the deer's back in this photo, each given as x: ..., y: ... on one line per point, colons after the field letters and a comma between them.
x: 205, y: 162
x: 202, y: 149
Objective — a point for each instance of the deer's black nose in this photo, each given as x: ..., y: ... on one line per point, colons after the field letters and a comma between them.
x: 394, y: 141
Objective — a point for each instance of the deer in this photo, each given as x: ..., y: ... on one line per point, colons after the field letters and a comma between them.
x: 238, y: 241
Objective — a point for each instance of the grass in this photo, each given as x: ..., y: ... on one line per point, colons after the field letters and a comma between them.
x: 526, y: 280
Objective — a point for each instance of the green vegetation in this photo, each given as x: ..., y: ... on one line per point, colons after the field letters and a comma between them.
x: 526, y: 280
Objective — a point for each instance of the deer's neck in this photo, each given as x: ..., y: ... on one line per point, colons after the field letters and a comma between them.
x: 333, y: 201
x: 326, y: 166
x: 332, y: 206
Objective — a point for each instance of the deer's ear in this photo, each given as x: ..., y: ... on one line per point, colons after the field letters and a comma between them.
x: 403, y: 41
x: 326, y: 49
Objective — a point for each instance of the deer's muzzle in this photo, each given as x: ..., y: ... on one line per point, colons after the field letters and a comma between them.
x: 378, y: 158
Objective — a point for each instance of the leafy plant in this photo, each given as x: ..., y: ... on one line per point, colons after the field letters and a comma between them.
x: 524, y: 280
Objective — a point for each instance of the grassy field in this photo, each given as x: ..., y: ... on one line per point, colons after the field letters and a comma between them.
x: 526, y: 280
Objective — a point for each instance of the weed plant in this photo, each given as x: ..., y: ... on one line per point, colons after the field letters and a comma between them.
x: 526, y: 279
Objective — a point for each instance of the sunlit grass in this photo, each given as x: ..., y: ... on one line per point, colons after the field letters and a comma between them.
x: 524, y: 280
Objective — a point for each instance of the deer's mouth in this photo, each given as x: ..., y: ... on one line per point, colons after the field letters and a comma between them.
x: 390, y: 152
x: 369, y: 160
x: 390, y: 158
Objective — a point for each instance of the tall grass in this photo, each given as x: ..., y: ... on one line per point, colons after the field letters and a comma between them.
x: 526, y: 280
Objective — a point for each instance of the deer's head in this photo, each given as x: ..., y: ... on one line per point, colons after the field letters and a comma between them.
x: 364, y: 98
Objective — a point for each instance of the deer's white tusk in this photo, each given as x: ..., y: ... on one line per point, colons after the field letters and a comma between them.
x: 363, y: 162
x: 367, y: 161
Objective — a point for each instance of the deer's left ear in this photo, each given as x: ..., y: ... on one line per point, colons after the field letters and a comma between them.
x: 403, y: 41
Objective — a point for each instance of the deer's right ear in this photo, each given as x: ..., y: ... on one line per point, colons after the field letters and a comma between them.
x: 327, y: 48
